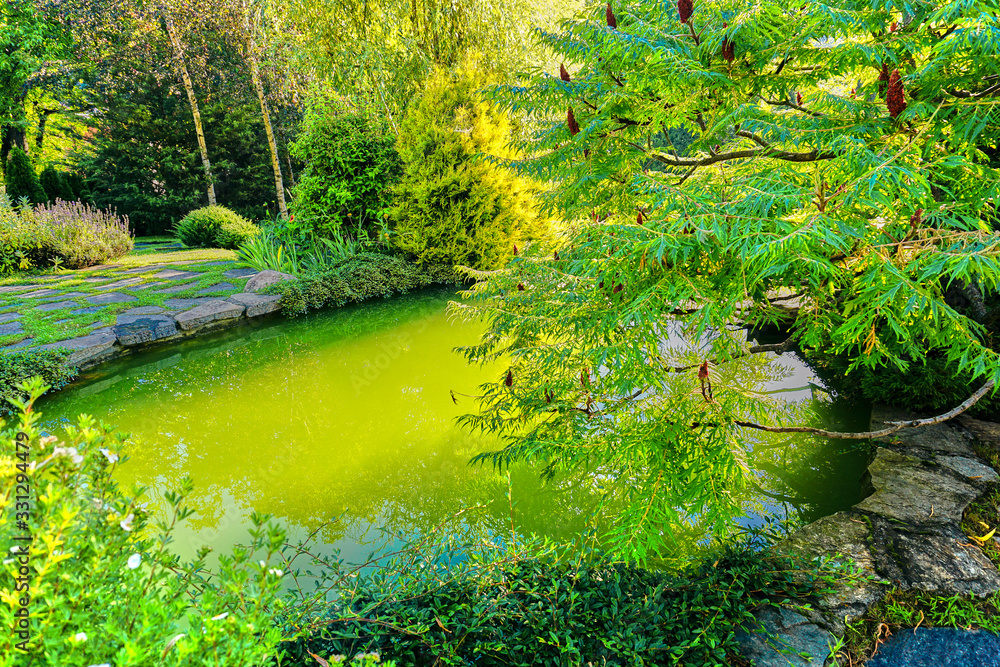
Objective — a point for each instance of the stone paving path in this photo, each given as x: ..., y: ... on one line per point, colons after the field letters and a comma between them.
x: 98, y: 312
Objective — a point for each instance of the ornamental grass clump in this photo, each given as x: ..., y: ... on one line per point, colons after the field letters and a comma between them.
x: 76, y: 235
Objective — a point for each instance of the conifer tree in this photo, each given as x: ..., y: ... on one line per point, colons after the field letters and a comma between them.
x: 456, y: 206
x: 21, y: 179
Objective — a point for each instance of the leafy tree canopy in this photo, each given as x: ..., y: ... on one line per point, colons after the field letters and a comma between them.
x: 838, y: 152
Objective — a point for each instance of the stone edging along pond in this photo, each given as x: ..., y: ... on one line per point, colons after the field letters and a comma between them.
x: 151, y: 325
x: 906, y: 535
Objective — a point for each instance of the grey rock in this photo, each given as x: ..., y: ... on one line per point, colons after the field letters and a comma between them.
x: 977, y: 472
x: 265, y: 279
x: 982, y: 431
x: 934, y: 558
x: 237, y: 274
x: 7, y: 317
x: 110, y: 297
x: 212, y: 311
x: 103, y: 267
x: 126, y: 282
x: 138, y: 329
x: 184, y: 304
x: 257, y: 304
x: 174, y: 274
x: 143, y: 310
x: 939, y: 438
x: 14, y: 289
x: 146, y: 286
x: 217, y: 288
x: 847, y: 537
x: 65, y: 295
x: 174, y: 289
x: 38, y: 293
x: 89, y: 310
x: 27, y: 342
x: 10, y: 328
x: 781, y: 636
x: 87, y: 349
x: 909, y: 489
x: 144, y: 269
x: 56, y: 305
x: 938, y: 647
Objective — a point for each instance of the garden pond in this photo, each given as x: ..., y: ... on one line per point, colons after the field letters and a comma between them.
x: 342, y: 424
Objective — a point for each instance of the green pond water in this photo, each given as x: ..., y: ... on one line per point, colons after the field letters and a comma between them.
x: 342, y: 423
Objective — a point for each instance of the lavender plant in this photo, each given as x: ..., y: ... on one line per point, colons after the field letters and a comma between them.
x: 79, y: 235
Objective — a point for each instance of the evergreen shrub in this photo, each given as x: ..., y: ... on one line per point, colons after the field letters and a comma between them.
x: 56, y: 185
x: 351, y: 166
x: 214, y: 227
x: 17, y: 367
x: 21, y: 179
x: 454, y: 206
x: 363, y: 276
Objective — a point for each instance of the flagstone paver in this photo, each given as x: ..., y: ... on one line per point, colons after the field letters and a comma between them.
x: 174, y: 289
x: 39, y: 293
x: 240, y: 273
x: 218, y: 288
x: 88, y: 310
x: 110, y: 297
x: 10, y: 329
x: 120, y: 283
x: 55, y: 305
x: 7, y: 317
x: 184, y: 304
x: 27, y: 342
x: 174, y: 274
x: 63, y: 296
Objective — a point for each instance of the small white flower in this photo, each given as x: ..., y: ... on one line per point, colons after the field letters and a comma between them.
x: 8, y: 561
x: 126, y: 523
x: 220, y: 616
x: 275, y: 572
x: 69, y: 452
x: 109, y: 455
x: 47, y: 440
x: 263, y: 564
x: 133, y: 561
x: 80, y: 637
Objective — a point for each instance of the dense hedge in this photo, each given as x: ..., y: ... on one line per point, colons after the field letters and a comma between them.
x: 363, y: 276
x: 17, y: 367
x: 540, y: 609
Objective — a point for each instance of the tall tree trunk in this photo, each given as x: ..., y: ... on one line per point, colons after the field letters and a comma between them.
x: 279, y: 184
x: 189, y: 87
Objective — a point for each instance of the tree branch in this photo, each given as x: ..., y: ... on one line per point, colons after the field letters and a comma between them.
x: 881, y: 433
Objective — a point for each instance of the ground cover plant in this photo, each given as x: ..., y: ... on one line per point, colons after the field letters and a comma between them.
x: 18, y: 367
x: 839, y: 158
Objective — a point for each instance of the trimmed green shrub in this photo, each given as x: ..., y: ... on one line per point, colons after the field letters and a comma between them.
x: 234, y: 231
x: 454, y: 206
x: 214, y: 227
x: 363, y: 276
x: 16, y: 367
x: 55, y: 185
x: 351, y: 166
x: 21, y: 179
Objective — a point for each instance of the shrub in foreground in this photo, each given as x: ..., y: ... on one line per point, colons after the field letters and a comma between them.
x: 214, y: 227
x: 103, y: 587
x: 531, y: 603
x: 16, y: 367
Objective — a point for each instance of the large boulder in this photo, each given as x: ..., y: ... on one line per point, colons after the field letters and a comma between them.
x: 266, y: 279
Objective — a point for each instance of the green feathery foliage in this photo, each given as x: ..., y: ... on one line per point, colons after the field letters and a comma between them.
x: 805, y: 176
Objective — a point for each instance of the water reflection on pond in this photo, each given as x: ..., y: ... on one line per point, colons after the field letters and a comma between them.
x: 347, y: 415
